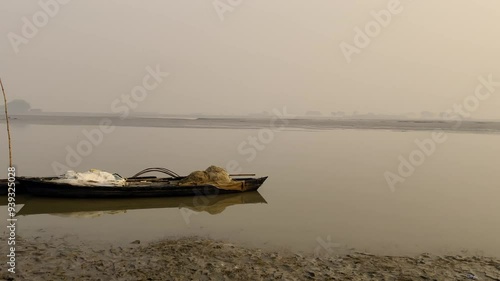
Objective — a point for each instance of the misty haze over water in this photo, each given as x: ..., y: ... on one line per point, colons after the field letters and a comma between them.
x: 374, y: 127
x: 255, y: 57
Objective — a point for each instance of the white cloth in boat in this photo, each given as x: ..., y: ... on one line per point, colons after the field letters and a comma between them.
x: 93, y: 177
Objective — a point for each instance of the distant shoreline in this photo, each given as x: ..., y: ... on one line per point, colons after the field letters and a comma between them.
x: 263, y: 122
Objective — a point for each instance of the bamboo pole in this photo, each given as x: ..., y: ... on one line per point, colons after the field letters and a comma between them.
x: 7, y: 122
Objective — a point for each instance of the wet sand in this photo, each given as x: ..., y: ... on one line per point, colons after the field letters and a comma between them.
x: 203, y: 259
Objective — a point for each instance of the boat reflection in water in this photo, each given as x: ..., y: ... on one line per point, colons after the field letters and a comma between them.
x: 96, y: 207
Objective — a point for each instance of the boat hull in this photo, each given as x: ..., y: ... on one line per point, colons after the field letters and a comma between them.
x: 152, y: 188
x: 4, y: 188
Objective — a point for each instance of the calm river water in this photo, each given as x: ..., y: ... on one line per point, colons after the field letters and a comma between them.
x: 324, y: 186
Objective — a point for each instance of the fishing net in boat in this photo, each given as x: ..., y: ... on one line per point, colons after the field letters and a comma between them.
x: 215, y: 176
x: 93, y: 177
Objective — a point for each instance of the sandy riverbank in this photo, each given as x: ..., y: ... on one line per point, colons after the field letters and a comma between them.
x: 204, y: 259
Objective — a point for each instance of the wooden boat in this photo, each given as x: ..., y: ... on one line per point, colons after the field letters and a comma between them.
x: 135, y: 186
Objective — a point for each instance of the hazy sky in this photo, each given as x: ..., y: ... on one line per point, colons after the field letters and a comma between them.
x: 262, y: 55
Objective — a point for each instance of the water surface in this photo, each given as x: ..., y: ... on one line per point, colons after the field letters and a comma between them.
x: 324, y: 185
